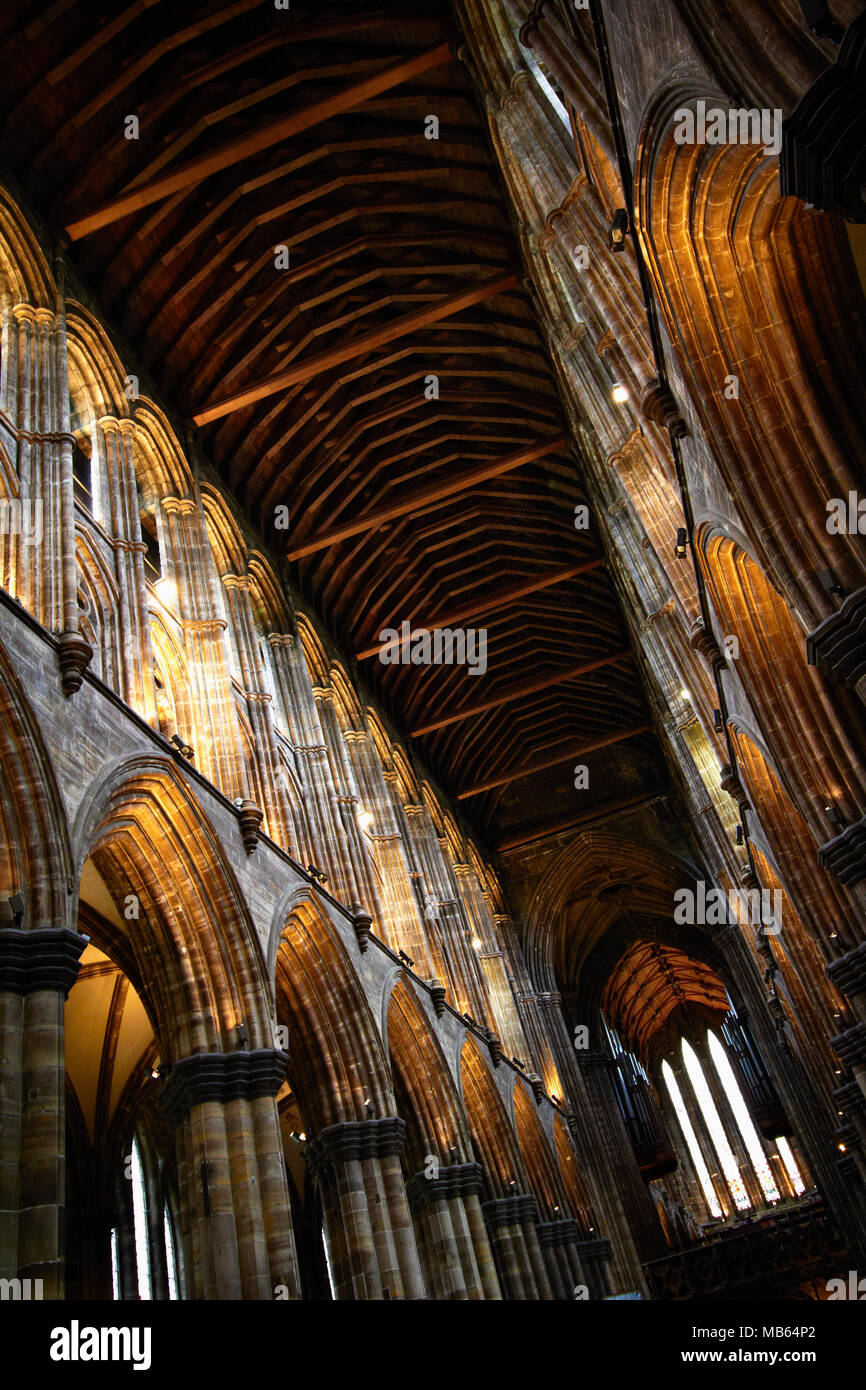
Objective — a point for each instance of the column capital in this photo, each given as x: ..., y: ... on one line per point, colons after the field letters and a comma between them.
x: 850, y: 1046
x: 223, y: 1077
x: 515, y: 1210
x: 455, y: 1180
x: 281, y: 639
x: 182, y: 506
x: 845, y: 855
x: 848, y: 973
x: 354, y: 1140
x: 44, y: 958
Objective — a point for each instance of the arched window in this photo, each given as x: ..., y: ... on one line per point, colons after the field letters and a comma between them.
x: 139, y: 1215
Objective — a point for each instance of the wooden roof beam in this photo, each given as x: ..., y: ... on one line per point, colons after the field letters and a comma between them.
x: 517, y: 692
x: 193, y: 171
x: 377, y: 337
x: 430, y: 496
x: 500, y: 598
x: 529, y: 768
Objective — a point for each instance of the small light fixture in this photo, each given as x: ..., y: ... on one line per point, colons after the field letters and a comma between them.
x: 517, y: 1062
x: 682, y: 539
x: 739, y: 834
x: 241, y: 1035
x: 16, y: 906
x: 154, y: 1072
x: 618, y: 230
x: 718, y: 721
x: 407, y: 960
x: 183, y: 748
x: 370, y: 1108
x: 828, y: 581
x: 317, y: 874
x: 365, y: 818
x: 619, y: 393
x: 834, y: 815
x: 476, y: 944
x: 685, y: 693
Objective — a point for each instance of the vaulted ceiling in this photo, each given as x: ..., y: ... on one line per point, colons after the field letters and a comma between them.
x: 307, y: 128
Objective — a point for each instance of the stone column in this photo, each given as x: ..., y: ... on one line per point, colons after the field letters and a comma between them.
x: 455, y: 1252
x: 224, y: 1107
x: 275, y: 802
x: 115, y: 502
x: 37, y: 971
x: 511, y: 1223
x: 559, y: 1241
x: 187, y: 559
x: 368, y: 1225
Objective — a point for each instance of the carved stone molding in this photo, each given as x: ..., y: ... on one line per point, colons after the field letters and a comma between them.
x: 75, y: 655
x: 517, y: 1210
x: 46, y: 958
x: 659, y: 405
x: 250, y: 817
x: 455, y: 1180
x: 355, y: 1140
x: 222, y: 1077
x: 850, y: 1046
x: 848, y: 973
x: 838, y: 645
x: 845, y: 855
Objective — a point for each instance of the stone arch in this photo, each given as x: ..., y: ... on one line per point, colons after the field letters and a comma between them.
x: 545, y: 1181
x: 25, y: 275
x: 97, y: 605
x: 430, y: 1105
x: 96, y: 372
x: 820, y: 900
x: 721, y: 245
x: 314, y: 652
x: 35, y: 853
x: 493, y: 1135
x: 161, y: 466
x: 338, y: 1056
x: 569, y: 1172
x: 194, y: 940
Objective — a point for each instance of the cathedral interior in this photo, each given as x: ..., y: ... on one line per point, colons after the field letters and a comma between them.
x: 433, y: 649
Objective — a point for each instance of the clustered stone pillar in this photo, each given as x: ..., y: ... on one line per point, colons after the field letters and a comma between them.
x: 368, y: 1225
x: 37, y: 971
x: 234, y: 1201
x: 452, y: 1239
x: 559, y: 1241
x: 115, y: 503
x: 187, y: 558
x: 512, y: 1226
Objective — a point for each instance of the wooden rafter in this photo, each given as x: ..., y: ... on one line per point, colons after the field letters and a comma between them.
x: 194, y: 170
x: 499, y: 598
x: 540, y: 765
x: 430, y: 496
x: 518, y: 692
x: 367, y: 342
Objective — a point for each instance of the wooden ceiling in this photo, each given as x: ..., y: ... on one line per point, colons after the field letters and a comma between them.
x: 305, y: 128
x: 658, y: 989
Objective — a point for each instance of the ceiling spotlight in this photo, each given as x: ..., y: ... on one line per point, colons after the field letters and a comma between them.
x: 619, y: 392
x: 155, y: 1073
x: 476, y: 944
x: 365, y: 818
x: 682, y: 539
x: 618, y: 229
x: 183, y: 748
